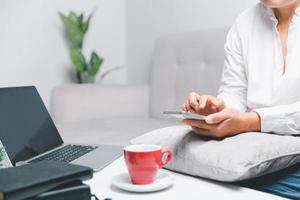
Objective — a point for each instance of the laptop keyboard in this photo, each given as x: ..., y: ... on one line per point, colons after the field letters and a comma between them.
x: 67, y: 153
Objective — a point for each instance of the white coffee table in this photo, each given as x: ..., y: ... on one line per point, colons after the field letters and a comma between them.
x: 185, y: 187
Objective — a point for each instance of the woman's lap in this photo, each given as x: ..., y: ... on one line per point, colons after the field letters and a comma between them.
x: 285, y: 183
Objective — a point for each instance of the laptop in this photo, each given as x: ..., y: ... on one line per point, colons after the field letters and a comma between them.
x: 29, y: 135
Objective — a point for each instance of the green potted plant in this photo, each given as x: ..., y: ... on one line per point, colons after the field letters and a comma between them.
x: 76, y: 27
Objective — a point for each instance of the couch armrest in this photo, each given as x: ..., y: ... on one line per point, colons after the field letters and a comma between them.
x: 83, y: 102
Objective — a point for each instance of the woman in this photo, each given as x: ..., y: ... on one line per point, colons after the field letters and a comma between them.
x: 261, y: 78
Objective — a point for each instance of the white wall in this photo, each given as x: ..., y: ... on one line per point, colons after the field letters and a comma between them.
x: 149, y: 19
x: 33, y: 50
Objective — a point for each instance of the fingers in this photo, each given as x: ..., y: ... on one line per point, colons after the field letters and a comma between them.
x: 199, y: 124
x: 184, y: 108
x: 204, y: 104
x: 214, y: 109
x: 203, y: 101
x: 209, y: 104
x: 193, y: 101
x: 217, y: 117
x: 217, y: 103
x: 188, y: 106
x: 213, y: 102
x: 191, y: 104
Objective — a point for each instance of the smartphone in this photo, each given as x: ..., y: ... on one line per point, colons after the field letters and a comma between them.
x: 184, y: 115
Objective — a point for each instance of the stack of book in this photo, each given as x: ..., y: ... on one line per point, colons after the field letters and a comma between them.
x: 47, y: 180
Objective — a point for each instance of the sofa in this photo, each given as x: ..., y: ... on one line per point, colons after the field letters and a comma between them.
x: 99, y: 114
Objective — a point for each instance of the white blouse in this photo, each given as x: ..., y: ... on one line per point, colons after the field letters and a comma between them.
x: 253, y: 76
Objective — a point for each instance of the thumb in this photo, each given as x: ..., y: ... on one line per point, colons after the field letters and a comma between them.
x: 217, y: 117
x: 218, y: 103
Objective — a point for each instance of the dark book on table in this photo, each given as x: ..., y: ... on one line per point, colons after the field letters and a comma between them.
x: 75, y: 190
x: 30, y: 180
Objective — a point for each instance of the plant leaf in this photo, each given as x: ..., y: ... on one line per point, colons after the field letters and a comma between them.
x: 78, y: 60
x: 95, y: 64
x: 75, y: 36
x: 73, y: 31
x: 74, y: 18
x: 80, y: 20
x: 85, y: 25
x: 62, y: 17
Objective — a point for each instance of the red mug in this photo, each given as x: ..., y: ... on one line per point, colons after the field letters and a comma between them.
x: 143, y: 161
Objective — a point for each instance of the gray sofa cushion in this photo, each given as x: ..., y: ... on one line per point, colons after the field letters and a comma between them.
x: 235, y: 158
x: 183, y: 63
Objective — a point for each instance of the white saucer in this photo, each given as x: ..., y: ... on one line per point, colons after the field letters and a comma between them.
x: 163, y: 180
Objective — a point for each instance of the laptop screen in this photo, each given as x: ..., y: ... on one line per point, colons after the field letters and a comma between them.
x: 26, y: 128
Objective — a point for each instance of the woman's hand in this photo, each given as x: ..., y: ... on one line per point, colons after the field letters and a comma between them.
x: 202, y: 104
x: 226, y: 123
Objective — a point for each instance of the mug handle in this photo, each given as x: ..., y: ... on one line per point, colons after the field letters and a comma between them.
x: 168, y: 159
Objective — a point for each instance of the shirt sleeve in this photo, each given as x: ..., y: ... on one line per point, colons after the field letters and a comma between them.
x: 233, y: 89
x: 281, y: 120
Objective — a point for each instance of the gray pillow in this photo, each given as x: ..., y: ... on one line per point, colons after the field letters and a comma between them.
x: 241, y: 157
